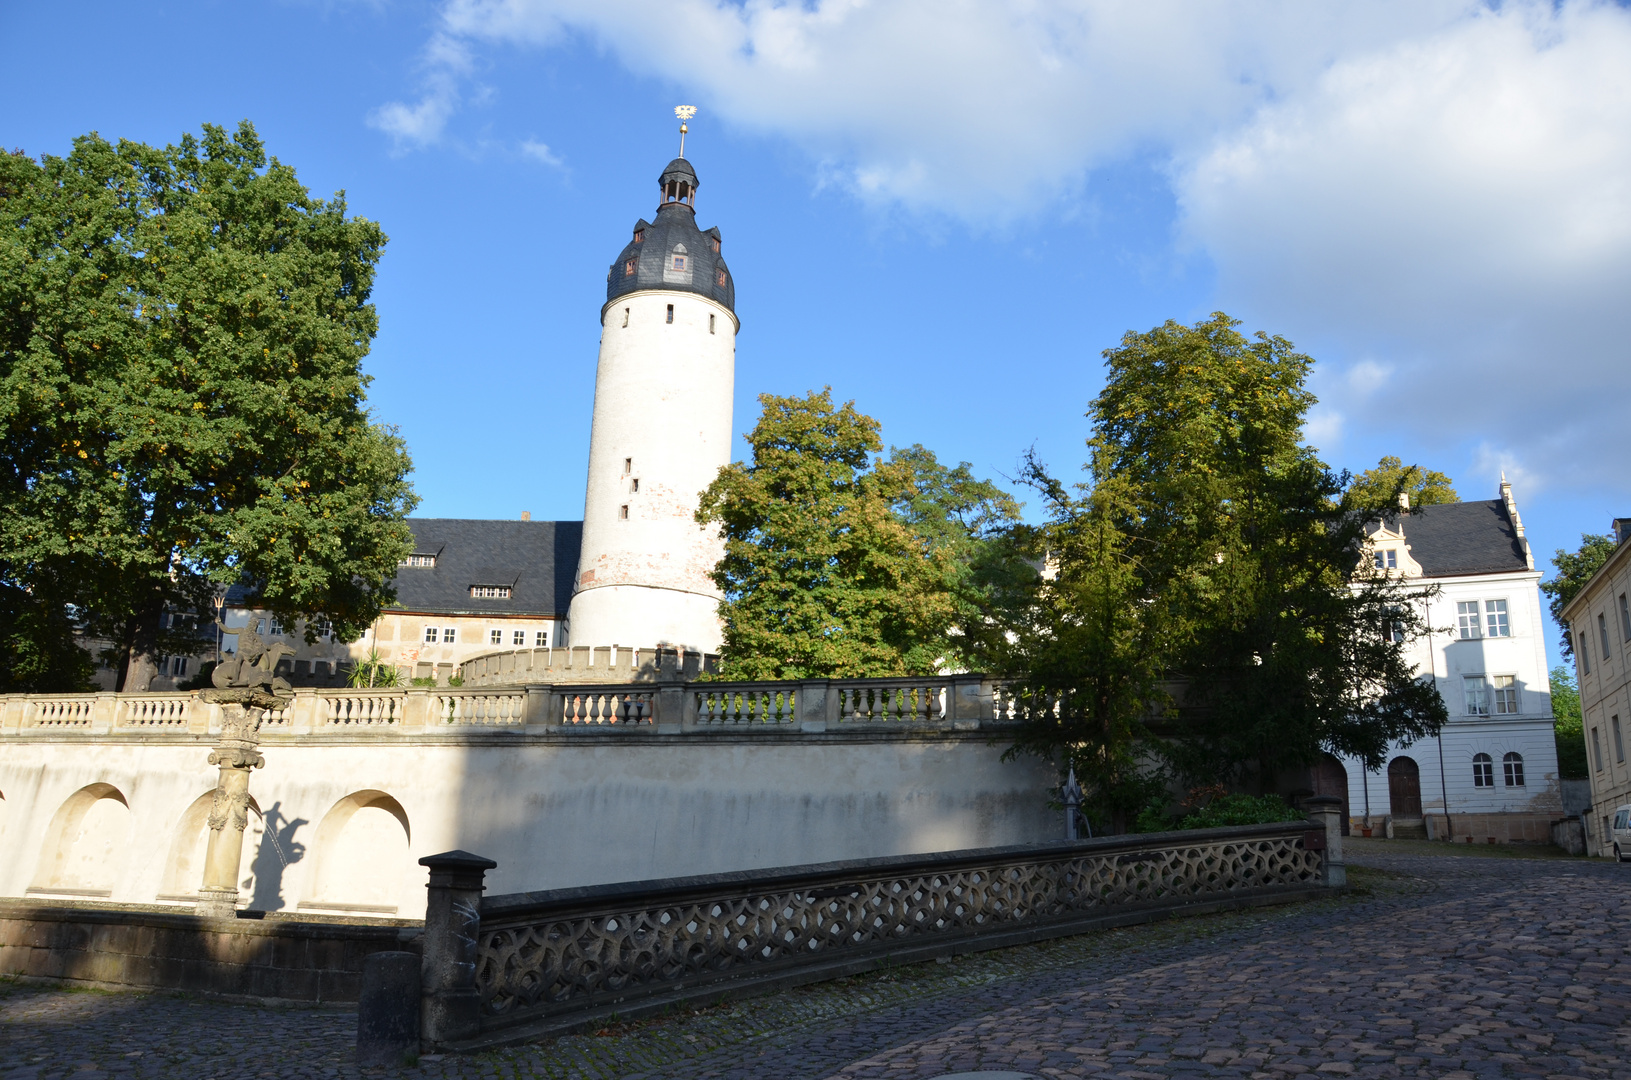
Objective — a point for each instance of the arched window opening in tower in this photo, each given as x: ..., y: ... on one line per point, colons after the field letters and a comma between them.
x: 670, y: 312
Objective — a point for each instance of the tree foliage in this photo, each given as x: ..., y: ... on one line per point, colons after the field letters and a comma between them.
x: 1574, y: 569
x: 1379, y: 489
x: 1229, y: 552
x: 822, y: 578
x: 181, y: 394
x: 1569, y: 726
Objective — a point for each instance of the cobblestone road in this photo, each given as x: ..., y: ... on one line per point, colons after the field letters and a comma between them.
x: 1435, y: 966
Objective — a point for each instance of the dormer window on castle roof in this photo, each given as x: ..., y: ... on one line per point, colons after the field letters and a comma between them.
x: 639, y: 236
x: 679, y: 262
x: 628, y: 267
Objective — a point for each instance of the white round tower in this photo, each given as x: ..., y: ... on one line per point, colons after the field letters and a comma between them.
x: 661, y: 432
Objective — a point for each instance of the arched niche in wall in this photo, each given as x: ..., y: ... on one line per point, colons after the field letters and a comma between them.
x: 86, y: 844
x: 361, y: 855
x: 184, y: 869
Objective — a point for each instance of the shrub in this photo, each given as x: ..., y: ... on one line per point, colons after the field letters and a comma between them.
x: 1240, y: 810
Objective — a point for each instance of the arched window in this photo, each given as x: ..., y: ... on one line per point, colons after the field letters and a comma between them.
x: 1483, y: 771
x: 1513, y: 765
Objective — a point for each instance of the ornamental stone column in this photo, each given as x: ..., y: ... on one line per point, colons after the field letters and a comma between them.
x: 236, y: 754
x: 1325, y: 811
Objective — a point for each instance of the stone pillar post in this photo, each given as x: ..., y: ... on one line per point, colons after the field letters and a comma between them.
x: 450, y: 1004
x: 1325, y: 811
x: 236, y: 754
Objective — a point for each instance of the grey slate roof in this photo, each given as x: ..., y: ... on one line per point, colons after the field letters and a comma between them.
x: 1456, y: 539
x: 676, y: 226
x: 537, y: 559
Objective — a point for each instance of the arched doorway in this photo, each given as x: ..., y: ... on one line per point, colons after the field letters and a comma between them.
x: 1404, y: 789
x: 1330, y: 778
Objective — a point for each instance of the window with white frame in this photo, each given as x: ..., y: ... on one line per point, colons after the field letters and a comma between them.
x: 541, y: 639
x: 1483, y: 771
x: 1495, y: 620
x: 1505, y: 694
x: 450, y: 635
x: 1393, y: 627
x: 1602, y: 632
x: 277, y: 627
x: 1582, y: 652
x: 419, y: 558
x: 1476, y: 695
x: 178, y: 666
x: 430, y: 635
x: 1387, y: 560
x: 519, y: 637
x: 490, y: 592
x: 1466, y: 619
x: 495, y: 637
x: 1512, y: 766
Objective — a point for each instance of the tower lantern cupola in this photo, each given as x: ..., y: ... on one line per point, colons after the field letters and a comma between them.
x: 679, y: 186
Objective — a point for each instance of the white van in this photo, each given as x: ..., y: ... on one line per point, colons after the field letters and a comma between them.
x: 1619, y: 832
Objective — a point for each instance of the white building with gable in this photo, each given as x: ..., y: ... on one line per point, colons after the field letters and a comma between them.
x: 1491, y: 776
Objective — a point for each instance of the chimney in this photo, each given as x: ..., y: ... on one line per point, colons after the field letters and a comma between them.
x: 1404, y: 501
x: 1622, y: 530
x: 526, y: 515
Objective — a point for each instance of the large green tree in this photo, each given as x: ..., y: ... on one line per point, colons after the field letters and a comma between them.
x: 1569, y: 726
x: 181, y: 393
x: 822, y: 578
x: 1380, y: 488
x: 1232, y: 537
x: 1574, y: 569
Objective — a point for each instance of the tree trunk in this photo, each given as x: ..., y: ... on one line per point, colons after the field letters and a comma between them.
x: 143, y: 660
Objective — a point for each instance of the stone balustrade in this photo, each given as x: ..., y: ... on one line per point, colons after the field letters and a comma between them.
x: 929, y: 703
x: 531, y: 964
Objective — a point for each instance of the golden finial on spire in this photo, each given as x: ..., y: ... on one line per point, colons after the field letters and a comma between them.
x: 684, y: 112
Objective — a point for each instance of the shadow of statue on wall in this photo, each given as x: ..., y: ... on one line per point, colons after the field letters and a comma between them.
x: 278, y: 851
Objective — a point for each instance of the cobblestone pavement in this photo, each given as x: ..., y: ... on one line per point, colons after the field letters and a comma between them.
x: 1433, y: 966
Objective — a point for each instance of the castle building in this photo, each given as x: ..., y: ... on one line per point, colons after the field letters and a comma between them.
x: 661, y: 433
x: 1492, y: 773
x: 1598, y: 622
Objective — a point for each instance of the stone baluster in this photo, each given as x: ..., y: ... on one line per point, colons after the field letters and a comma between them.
x: 450, y: 1005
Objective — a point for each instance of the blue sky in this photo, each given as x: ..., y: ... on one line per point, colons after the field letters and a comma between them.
x: 945, y: 210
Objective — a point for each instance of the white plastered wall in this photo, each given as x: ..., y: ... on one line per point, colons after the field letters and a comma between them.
x: 552, y: 814
x: 662, y: 418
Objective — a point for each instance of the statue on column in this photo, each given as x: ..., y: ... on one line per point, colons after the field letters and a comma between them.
x: 246, y: 686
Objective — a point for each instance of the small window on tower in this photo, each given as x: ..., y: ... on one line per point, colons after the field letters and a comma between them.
x: 710, y: 324
x: 625, y: 316
x: 679, y: 262
x: 716, y: 245
x: 628, y: 267
x: 623, y: 513
x: 628, y: 465
x: 720, y: 277
x: 670, y: 312
x: 639, y: 236
x: 634, y: 485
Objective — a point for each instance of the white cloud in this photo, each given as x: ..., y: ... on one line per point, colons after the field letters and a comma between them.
x: 1437, y: 190
x: 541, y: 152
x: 1459, y: 203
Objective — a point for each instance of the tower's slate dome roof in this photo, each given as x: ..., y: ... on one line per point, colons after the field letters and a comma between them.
x: 671, y: 253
